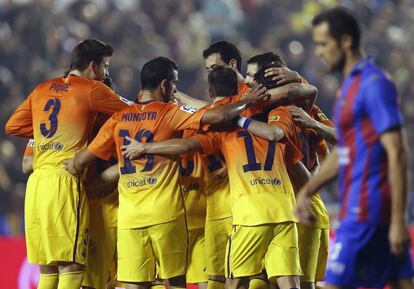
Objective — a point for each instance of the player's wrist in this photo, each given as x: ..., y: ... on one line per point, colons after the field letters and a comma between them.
x: 243, y: 122
x: 398, y: 219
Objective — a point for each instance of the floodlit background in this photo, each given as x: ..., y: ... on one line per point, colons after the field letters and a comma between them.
x: 36, y: 38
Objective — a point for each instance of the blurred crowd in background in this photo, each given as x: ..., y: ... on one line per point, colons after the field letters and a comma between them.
x: 36, y: 38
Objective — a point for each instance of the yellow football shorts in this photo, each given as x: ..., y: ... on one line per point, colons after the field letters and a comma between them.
x: 163, y: 246
x: 313, y: 251
x: 101, y: 250
x: 273, y: 247
x: 217, y: 233
x: 196, y: 257
x: 56, y: 218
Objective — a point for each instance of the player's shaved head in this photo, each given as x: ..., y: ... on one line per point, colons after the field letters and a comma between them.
x: 156, y: 70
x: 228, y: 52
x: 223, y: 81
x: 89, y: 50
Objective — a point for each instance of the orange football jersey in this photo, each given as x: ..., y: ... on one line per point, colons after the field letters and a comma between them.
x: 59, y: 115
x: 261, y: 191
x: 308, y: 142
x: 149, y: 187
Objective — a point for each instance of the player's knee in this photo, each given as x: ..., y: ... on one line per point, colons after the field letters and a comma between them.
x: 65, y: 267
x: 288, y: 282
x: 48, y: 269
x: 307, y: 285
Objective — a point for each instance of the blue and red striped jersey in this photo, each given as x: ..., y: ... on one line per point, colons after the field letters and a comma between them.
x: 366, y: 107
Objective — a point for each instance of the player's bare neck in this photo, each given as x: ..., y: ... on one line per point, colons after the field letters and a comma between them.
x: 147, y: 95
x: 240, y: 78
x: 218, y: 98
x: 351, y: 59
x: 78, y: 73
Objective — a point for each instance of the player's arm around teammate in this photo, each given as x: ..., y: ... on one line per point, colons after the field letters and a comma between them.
x: 222, y: 114
x: 302, y: 117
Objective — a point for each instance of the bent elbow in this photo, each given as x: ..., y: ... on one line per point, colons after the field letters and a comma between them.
x: 221, y: 117
x: 274, y: 135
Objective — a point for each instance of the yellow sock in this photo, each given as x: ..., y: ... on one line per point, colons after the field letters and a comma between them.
x: 70, y: 280
x: 257, y: 283
x: 158, y: 286
x: 48, y: 281
x: 215, y: 284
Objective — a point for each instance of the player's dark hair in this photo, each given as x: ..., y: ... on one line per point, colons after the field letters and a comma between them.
x: 89, y: 50
x: 341, y: 22
x: 156, y: 70
x: 227, y: 51
x: 260, y: 77
x: 223, y: 81
x: 266, y: 58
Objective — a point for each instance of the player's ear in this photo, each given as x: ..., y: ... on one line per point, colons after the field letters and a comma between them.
x: 93, y: 67
x: 346, y: 41
x: 164, y: 86
x: 233, y: 63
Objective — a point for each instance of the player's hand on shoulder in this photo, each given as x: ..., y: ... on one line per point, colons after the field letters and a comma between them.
x: 301, y: 117
x: 134, y: 149
x: 303, y: 210
x: 282, y: 75
x: 399, y: 238
x: 70, y: 167
x: 256, y: 93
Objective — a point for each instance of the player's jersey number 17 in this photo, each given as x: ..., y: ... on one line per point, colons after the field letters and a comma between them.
x: 252, y: 164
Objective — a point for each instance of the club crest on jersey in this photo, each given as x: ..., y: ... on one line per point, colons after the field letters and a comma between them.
x: 322, y: 116
x: 188, y: 109
x: 274, y: 118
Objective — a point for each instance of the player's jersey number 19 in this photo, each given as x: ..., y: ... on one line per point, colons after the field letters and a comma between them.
x: 128, y: 168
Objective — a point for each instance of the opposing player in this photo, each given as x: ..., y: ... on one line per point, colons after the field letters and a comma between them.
x: 372, y: 241
x: 262, y: 196
x: 58, y: 114
x: 150, y: 203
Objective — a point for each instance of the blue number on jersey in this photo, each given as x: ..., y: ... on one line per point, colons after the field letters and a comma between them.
x: 55, y: 102
x: 128, y: 168
x: 252, y: 164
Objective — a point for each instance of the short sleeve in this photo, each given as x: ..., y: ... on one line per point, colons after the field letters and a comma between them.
x: 29, y: 147
x: 317, y: 114
x: 282, y: 118
x: 292, y: 155
x: 210, y: 142
x: 380, y: 102
x: 103, y: 99
x: 181, y: 117
x: 103, y: 145
x: 322, y: 149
